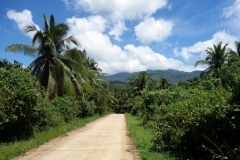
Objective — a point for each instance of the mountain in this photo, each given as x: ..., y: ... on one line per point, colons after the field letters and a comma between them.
x: 173, y: 76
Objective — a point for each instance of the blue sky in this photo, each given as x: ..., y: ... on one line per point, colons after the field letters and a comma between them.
x: 129, y: 35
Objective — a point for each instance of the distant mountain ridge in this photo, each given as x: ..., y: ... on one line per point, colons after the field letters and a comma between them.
x: 173, y: 76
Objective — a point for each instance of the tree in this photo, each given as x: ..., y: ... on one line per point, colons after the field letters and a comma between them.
x: 139, y: 83
x: 94, y: 72
x: 163, y: 83
x: 216, y: 57
x: 52, y: 54
x: 193, y: 82
x: 230, y: 78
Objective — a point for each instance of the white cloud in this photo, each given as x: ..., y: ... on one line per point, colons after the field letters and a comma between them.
x: 200, y: 47
x: 117, y: 30
x: 112, y: 58
x: 97, y: 44
x: 153, y: 30
x: 233, y: 10
x: 151, y: 59
x: 233, y: 13
x: 92, y: 23
x: 22, y: 19
x: 117, y: 11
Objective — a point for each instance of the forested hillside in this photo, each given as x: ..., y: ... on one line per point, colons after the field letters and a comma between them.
x: 173, y: 76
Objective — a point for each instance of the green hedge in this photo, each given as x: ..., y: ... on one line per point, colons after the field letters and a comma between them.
x: 25, y: 109
x: 18, y: 97
x: 193, y: 122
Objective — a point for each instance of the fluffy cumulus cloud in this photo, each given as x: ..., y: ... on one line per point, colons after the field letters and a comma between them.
x: 153, y: 30
x: 139, y: 58
x: 151, y: 59
x: 112, y: 58
x: 200, y: 47
x: 90, y: 24
x: 117, y: 11
x: 117, y: 30
x: 22, y: 19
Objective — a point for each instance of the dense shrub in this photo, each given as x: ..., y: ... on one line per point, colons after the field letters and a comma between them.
x: 61, y: 110
x: 45, y: 116
x: 101, y: 96
x: 86, y: 107
x: 24, y: 107
x: 198, y: 123
x: 133, y: 105
x: 230, y: 78
x: 68, y: 107
x: 18, y: 97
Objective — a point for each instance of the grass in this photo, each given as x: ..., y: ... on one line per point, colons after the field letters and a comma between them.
x: 142, y: 139
x: 10, y: 150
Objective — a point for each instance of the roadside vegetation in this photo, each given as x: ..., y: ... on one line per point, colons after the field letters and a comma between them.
x: 61, y: 88
x: 197, y: 119
x: 142, y: 139
x: 59, y: 91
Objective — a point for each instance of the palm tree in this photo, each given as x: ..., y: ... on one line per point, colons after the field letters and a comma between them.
x: 51, y: 52
x: 163, y: 83
x: 139, y: 83
x: 216, y: 57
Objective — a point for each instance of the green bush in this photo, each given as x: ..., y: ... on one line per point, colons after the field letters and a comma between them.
x: 18, y: 97
x: 133, y: 105
x: 68, y: 107
x: 87, y: 108
x: 46, y: 115
x: 61, y: 110
x: 197, y: 123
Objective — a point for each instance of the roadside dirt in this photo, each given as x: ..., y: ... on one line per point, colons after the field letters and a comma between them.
x: 103, y: 139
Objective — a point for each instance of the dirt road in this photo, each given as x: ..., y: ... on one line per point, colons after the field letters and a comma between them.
x: 103, y: 139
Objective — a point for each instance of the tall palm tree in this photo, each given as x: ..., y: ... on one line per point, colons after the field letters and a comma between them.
x: 139, y: 83
x: 51, y: 58
x: 216, y: 57
x: 163, y: 83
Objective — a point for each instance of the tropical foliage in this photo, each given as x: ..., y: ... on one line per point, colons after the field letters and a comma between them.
x: 58, y: 68
x: 24, y: 108
x: 61, y: 85
x: 18, y: 97
x: 216, y: 57
x: 197, y: 119
x: 237, y: 52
